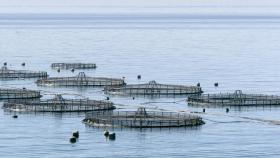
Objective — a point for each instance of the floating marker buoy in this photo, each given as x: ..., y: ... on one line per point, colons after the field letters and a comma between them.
x: 72, y: 140
x: 227, y: 110
x: 15, y: 116
x: 106, y: 133
x: 5, y: 63
x: 216, y: 84
x: 58, y: 70
x: 133, y: 98
x: 76, y: 134
x: 139, y: 77
x: 73, y: 70
x: 94, y: 66
x: 198, y: 84
x: 107, y: 98
x: 112, y: 136
x: 203, y: 110
x: 24, y: 88
x: 23, y: 64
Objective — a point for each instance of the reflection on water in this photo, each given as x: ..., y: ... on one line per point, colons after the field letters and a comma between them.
x: 239, y: 53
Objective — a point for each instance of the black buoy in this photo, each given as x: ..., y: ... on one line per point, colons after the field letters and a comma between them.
x: 73, y: 140
x: 216, y: 84
x: 94, y: 66
x: 198, y: 84
x: 203, y: 110
x: 112, y: 136
x: 73, y: 70
x: 15, y: 116
x: 227, y: 110
x: 5, y: 63
x: 139, y: 77
x: 24, y: 88
x: 133, y: 98
x: 23, y: 64
x: 76, y: 134
x: 106, y: 133
x: 58, y: 70
x: 107, y: 98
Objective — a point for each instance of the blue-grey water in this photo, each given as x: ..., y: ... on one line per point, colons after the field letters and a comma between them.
x: 238, y: 51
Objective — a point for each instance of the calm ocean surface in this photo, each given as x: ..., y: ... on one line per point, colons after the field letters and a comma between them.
x: 238, y: 51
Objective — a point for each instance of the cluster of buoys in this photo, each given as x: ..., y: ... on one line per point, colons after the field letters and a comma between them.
x: 216, y: 84
x: 75, y: 136
x: 227, y: 110
x: 111, y: 136
x: 72, y: 70
x: 94, y: 66
x: 88, y: 121
x: 22, y: 64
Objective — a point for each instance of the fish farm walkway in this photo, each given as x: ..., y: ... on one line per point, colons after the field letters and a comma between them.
x: 141, y: 119
x: 153, y: 88
x: 80, y: 80
x: 58, y: 104
x: 6, y: 73
x: 73, y: 66
x: 234, y: 99
x: 18, y: 94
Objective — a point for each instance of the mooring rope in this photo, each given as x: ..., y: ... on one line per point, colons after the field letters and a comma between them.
x: 172, y: 102
x: 224, y: 121
x: 11, y: 85
x: 48, y: 92
x: 274, y: 122
x: 136, y: 106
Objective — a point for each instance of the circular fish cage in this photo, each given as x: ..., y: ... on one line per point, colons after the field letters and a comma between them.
x: 234, y: 99
x: 18, y: 94
x: 153, y: 88
x: 58, y: 104
x: 6, y: 73
x: 80, y: 80
x: 142, y: 119
x: 73, y: 66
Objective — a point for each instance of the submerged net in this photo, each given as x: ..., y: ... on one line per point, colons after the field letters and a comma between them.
x: 142, y: 119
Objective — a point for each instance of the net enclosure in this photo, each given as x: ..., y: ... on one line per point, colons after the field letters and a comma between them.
x: 58, y: 104
x: 6, y: 73
x: 153, y: 88
x: 234, y: 99
x: 73, y: 66
x: 141, y: 119
x: 18, y: 94
x: 80, y: 80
